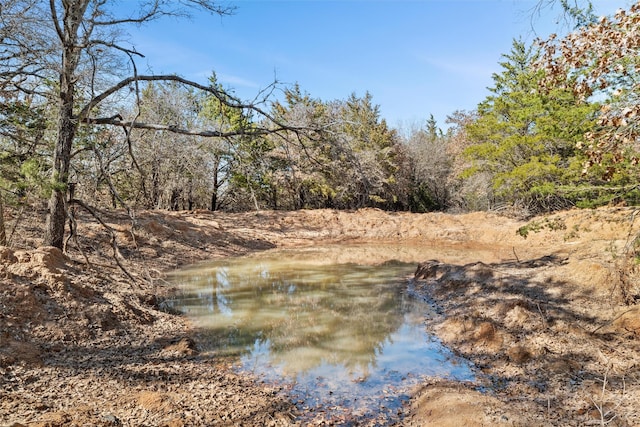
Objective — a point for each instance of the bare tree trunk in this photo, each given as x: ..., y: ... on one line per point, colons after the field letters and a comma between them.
x: 3, y: 233
x: 216, y: 184
x: 155, y: 185
x: 254, y: 198
x: 57, y: 214
x: 174, y: 201
x: 214, y: 199
x: 190, y: 202
x: 67, y: 125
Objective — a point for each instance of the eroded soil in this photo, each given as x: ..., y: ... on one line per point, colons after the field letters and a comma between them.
x: 542, y: 319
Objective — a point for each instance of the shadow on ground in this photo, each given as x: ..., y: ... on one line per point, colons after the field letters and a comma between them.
x: 545, y: 346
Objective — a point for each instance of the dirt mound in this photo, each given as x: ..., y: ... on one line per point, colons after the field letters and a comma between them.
x: 540, y: 317
x: 446, y: 404
x: 47, y: 300
x: 627, y: 323
x: 535, y: 334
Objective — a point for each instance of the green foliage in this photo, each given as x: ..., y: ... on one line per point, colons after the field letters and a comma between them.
x: 371, y: 149
x: 526, y: 138
x: 582, y: 15
x: 421, y: 199
x: 540, y: 225
x: 349, y: 161
x: 32, y: 174
x: 22, y: 149
x: 217, y: 110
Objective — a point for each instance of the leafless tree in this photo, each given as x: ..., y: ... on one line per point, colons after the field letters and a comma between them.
x: 430, y: 164
x: 72, y: 55
x: 574, y: 13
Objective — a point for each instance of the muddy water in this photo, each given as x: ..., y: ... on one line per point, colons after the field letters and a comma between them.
x: 335, y: 326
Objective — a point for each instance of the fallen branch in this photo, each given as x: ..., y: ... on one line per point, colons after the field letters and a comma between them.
x: 73, y: 234
x: 114, y: 245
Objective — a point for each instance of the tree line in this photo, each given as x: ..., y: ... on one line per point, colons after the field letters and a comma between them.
x: 79, y: 126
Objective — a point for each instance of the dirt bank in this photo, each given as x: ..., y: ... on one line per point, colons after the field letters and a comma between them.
x: 81, y: 345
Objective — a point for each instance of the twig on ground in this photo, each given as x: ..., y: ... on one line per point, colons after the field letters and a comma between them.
x: 611, y: 321
x: 544, y: 321
x: 600, y: 407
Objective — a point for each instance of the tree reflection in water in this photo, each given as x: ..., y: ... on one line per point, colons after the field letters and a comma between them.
x: 317, y: 322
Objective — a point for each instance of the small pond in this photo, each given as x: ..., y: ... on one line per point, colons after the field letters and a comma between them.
x: 344, y: 338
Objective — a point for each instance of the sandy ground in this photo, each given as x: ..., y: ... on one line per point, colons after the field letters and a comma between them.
x: 543, y: 319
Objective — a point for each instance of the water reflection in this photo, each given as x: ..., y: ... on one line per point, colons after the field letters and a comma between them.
x: 338, y: 333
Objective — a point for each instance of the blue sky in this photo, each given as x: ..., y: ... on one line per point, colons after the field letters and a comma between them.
x: 416, y: 57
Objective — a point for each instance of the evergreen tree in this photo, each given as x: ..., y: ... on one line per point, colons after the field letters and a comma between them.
x: 23, y: 150
x: 525, y: 138
x: 601, y: 61
x: 372, y: 153
x: 226, y: 154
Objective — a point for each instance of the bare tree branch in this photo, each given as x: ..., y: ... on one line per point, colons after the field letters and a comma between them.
x: 116, y: 121
x: 54, y: 16
x: 110, y: 230
x: 223, y: 97
x: 158, y: 8
x: 129, y: 52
